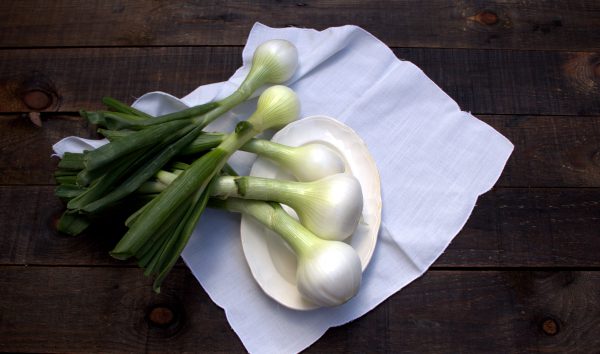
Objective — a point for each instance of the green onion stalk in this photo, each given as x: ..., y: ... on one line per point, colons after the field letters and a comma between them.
x: 160, y: 230
x: 307, y: 162
x: 330, y: 207
x: 117, y: 169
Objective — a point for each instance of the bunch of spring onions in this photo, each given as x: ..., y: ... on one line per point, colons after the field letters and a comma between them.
x: 163, y: 171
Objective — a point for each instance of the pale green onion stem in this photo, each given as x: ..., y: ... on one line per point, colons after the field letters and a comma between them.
x: 330, y: 207
x: 307, y: 162
x: 300, y: 239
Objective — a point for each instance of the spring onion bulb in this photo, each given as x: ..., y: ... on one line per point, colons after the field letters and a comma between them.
x: 277, y: 106
x: 330, y: 207
x: 275, y: 61
x: 308, y: 162
x: 329, y: 273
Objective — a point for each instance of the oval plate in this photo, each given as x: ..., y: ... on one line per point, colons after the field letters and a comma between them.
x: 271, y: 261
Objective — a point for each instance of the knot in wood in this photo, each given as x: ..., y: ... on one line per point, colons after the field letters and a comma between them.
x: 550, y: 327
x: 37, y: 92
x: 161, y: 316
x: 37, y: 99
x: 487, y: 17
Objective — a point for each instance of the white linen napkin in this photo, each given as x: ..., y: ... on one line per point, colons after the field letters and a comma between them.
x: 434, y: 161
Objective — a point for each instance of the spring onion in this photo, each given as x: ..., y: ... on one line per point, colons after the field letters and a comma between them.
x: 330, y: 207
x: 329, y: 273
x: 307, y: 162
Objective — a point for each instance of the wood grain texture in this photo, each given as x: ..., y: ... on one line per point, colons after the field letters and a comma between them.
x: 521, y: 276
x: 504, y: 24
x: 489, y: 81
x: 514, y: 82
x: 29, y: 216
x: 508, y: 228
x: 26, y: 149
x: 478, y: 312
x: 536, y: 227
x: 550, y: 151
x: 80, y: 309
x: 77, y: 79
x: 77, y: 309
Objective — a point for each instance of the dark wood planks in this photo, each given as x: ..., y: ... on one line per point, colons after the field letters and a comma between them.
x: 481, y: 81
x: 75, y: 79
x: 546, y: 24
x: 475, y: 312
x: 550, y: 151
x: 80, y: 309
x: 508, y: 228
x: 536, y: 227
x: 26, y: 148
x: 514, y: 82
x: 29, y: 215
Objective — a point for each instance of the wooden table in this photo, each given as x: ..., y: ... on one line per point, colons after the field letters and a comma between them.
x: 522, y: 276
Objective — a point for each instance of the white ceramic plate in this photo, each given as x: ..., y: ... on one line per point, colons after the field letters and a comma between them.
x: 271, y: 261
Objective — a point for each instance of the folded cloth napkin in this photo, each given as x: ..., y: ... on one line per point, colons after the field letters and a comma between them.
x: 434, y: 161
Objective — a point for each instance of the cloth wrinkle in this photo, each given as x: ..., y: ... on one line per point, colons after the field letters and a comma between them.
x: 401, y: 249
